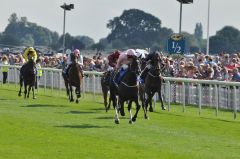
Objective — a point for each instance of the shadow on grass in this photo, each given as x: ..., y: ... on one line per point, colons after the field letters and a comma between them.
x: 42, y: 105
x: 98, y: 109
x: 83, y: 126
x: 5, y: 99
x: 223, y: 120
x: 79, y: 112
x: 201, y: 117
x: 105, y: 117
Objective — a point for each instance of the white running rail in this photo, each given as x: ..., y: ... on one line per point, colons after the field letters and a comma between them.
x: 211, y: 93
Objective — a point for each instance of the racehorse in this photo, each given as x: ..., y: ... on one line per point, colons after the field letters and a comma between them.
x: 73, y: 79
x: 153, y: 84
x: 28, y: 78
x: 128, y: 91
x: 142, y: 97
x: 105, y: 83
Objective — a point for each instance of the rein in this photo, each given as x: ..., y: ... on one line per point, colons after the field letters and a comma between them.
x: 153, y: 75
x: 128, y: 85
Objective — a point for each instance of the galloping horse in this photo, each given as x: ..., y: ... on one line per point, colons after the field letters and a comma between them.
x: 73, y: 79
x: 153, y: 84
x: 141, y: 88
x: 128, y: 91
x: 105, y: 83
x: 28, y: 77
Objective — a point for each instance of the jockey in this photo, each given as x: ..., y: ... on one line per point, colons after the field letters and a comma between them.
x: 122, y: 64
x: 149, y: 60
x: 30, y: 53
x: 79, y: 57
x: 112, y: 59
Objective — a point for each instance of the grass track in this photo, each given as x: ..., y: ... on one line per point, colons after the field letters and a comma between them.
x: 52, y: 128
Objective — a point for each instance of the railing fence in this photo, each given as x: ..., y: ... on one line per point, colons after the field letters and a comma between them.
x: 215, y: 94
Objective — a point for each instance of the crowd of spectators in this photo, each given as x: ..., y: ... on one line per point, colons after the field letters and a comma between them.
x: 224, y: 67
x: 95, y: 63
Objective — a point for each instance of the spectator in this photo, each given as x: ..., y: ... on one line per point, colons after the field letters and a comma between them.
x: 39, y: 72
x: 236, y: 75
x: 5, y: 68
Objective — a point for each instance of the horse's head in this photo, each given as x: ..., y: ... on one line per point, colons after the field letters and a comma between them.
x: 31, y: 61
x: 107, y: 77
x: 134, y: 66
x: 73, y: 58
x: 156, y: 63
x: 143, y: 63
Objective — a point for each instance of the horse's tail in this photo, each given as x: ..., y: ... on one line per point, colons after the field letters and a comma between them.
x: 21, y: 77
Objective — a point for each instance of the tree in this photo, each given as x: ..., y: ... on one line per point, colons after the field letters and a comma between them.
x: 87, y: 41
x: 9, y: 39
x: 226, y: 40
x: 13, y: 18
x: 136, y: 28
x: 27, y: 40
x: 198, y: 32
x: 191, y: 42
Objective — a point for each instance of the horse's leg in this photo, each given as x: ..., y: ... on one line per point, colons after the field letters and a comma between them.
x: 143, y: 98
x: 148, y: 100
x: 113, y: 98
x: 121, y: 103
x: 130, y: 112
x: 137, y: 109
x: 150, y: 104
x: 105, y: 93
x: 33, y: 90
x: 25, y: 91
x: 160, y: 97
x: 77, y: 91
x: 109, y: 103
x: 116, y: 115
x: 66, y: 83
x: 29, y: 89
x: 21, y: 84
x: 71, y: 94
x: 67, y: 87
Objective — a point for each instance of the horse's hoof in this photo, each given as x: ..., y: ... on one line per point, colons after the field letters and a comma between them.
x: 122, y: 113
x: 19, y: 94
x: 106, y: 109
x: 71, y: 100
x: 151, y: 109
x: 146, y: 117
x: 34, y: 97
x: 130, y: 122
x: 134, y: 119
x: 77, y: 101
x: 116, y: 121
x: 163, y: 108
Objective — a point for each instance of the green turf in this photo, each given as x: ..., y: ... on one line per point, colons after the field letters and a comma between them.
x: 52, y: 128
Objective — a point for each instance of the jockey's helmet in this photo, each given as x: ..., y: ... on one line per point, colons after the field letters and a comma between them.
x: 68, y: 51
x: 131, y: 53
x: 76, y: 53
x: 31, y: 49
